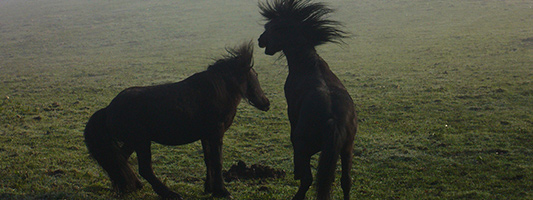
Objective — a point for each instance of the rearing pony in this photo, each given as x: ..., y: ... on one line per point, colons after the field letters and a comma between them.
x: 321, y: 112
x: 201, y: 107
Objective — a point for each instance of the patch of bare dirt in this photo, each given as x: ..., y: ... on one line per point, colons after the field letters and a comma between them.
x: 240, y: 171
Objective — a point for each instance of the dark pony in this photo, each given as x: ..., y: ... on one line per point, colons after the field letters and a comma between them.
x: 321, y: 112
x: 201, y: 107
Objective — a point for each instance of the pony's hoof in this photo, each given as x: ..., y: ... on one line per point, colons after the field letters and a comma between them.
x: 170, y: 195
x: 222, y: 194
x: 173, y: 196
x: 208, y: 189
x: 299, y: 196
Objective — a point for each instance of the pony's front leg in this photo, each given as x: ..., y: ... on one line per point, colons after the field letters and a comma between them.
x: 214, y: 149
x: 144, y: 156
x: 208, y: 186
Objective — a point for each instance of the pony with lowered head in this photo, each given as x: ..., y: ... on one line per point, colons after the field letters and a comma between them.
x: 321, y: 112
x: 201, y: 107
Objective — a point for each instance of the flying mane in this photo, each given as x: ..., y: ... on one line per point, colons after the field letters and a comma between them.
x: 231, y: 68
x: 238, y: 57
x: 309, y: 18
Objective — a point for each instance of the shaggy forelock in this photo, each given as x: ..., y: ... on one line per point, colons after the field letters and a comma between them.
x: 237, y: 58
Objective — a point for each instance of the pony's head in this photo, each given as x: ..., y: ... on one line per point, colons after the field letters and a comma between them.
x: 237, y: 67
x: 297, y: 23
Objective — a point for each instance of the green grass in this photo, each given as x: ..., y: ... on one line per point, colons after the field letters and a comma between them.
x: 443, y: 90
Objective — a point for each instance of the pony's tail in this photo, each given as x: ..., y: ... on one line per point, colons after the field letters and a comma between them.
x: 327, y: 162
x: 108, y: 155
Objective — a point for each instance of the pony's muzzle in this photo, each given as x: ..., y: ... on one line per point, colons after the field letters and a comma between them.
x: 265, y: 106
x: 261, y: 41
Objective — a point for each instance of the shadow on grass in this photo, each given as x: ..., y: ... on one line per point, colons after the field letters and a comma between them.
x: 59, y: 195
x: 64, y: 195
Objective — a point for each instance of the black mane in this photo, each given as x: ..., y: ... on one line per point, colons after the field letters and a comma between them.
x: 238, y: 58
x: 308, y: 16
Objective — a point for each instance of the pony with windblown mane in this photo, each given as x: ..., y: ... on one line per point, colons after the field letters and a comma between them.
x: 321, y: 112
x: 201, y: 107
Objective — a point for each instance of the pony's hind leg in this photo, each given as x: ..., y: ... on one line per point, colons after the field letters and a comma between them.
x: 302, y: 169
x: 346, y: 179
x: 144, y: 157
x: 127, y: 150
x: 103, y: 148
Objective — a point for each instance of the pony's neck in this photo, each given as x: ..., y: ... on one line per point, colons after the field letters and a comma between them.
x: 234, y: 87
x: 226, y: 87
x: 305, y: 61
x: 302, y: 59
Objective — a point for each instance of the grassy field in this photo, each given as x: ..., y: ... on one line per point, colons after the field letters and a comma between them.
x: 443, y: 90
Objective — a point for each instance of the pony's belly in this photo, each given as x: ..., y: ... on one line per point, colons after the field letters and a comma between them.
x: 175, y: 143
x: 177, y: 137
